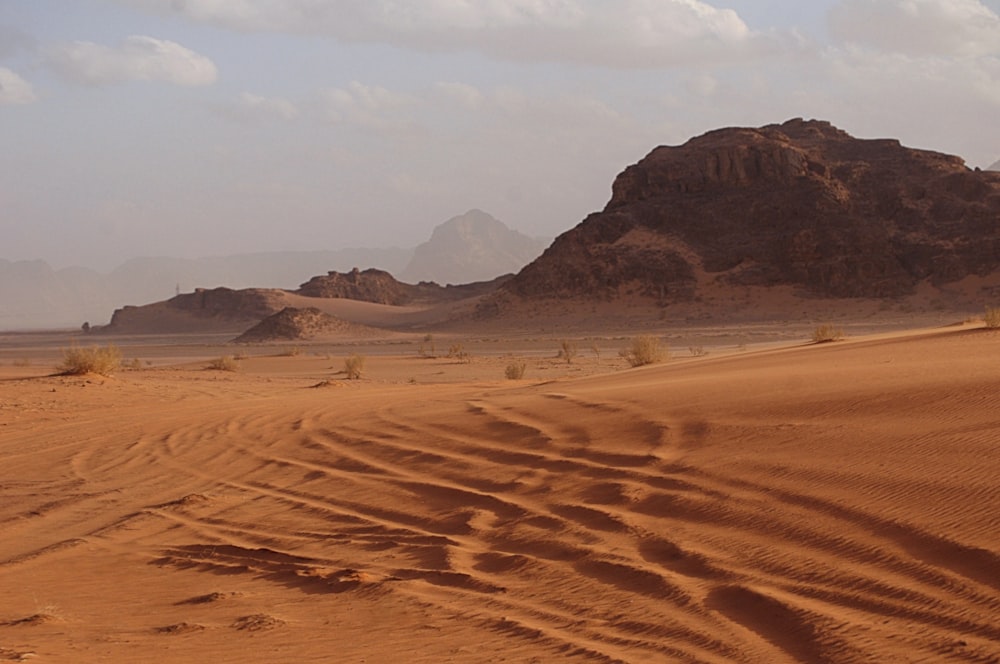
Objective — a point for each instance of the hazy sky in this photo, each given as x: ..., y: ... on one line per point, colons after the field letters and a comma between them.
x: 209, y: 127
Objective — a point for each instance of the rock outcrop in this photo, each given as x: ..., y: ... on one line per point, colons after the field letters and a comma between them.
x: 471, y: 247
x: 801, y: 204
x: 292, y: 324
x: 204, y: 309
x: 380, y: 287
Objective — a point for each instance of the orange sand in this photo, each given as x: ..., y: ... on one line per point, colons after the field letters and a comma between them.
x: 831, y: 503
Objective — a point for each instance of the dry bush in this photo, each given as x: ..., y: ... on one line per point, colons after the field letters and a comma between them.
x: 457, y: 351
x: 697, y: 351
x: 567, y: 350
x: 992, y: 317
x: 515, y: 370
x: 96, y: 360
x: 644, y: 350
x: 427, y: 347
x: 224, y: 363
x: 353, y: 366
x: 825, y: 333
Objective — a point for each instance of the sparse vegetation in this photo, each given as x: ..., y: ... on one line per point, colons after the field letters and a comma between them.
x: 596, y: 350
x: 133, y: 364
x: 427, y: 348
x: 644, y: 350
x: 826, y: 333
x: 697, y: 351
x: 992, y: 317
x: 567, y: 350
x: 515, y: 370
x: 224, y: 363
x: 353, y: 366
x: 98, y: 360
x: 457, y: 351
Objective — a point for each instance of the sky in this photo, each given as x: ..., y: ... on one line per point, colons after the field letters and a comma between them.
x: 196, y: 128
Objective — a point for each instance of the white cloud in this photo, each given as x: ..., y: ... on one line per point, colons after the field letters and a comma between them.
x: 138, y: 58
x: 14, y: 89
x: 465, y: 96
x: 369, y: 106
x: 271, y: 107
x: 614, y: 33
x: 918, y: 27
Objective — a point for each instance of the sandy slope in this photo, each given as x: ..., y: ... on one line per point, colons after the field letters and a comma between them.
x: 833, y: 503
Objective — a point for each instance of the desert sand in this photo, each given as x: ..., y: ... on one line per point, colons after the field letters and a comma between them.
x: 789, y: 502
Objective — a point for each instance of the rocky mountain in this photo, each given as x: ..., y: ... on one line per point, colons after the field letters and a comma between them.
x: 471, y: 247
x: 801, y: 204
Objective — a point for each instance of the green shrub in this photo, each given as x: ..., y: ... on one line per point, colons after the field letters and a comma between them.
x: 104, y: 361
x: 826, y: 333
x: 644, y: 350
x: 224, y: 363
x: 353, y: 366
x: 515, y: 370
x: 992, y: 317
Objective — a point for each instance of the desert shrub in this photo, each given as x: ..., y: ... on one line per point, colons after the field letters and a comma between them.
x: 427, y: 347
x: 567, y: 350
x: 95, y: 359
x: 458, y: 352
x: 697, y: 351
x: 133, y: 364
x: 353, y: 366
x: 596, y: 350
x: 515, y: 370
x: 224, y: 363
x: 825, y: 333
x: 644, y: 350
x: 992, y: 317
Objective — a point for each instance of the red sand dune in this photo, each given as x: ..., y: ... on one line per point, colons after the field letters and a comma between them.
x: 829, y: 503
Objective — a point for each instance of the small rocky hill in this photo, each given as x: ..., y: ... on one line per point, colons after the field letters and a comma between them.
x: 471, y: 247
x: 373, y: 285
x: 800, y: 204
x: 291, y: 324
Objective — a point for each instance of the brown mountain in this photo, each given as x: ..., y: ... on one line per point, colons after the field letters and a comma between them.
x: 801, y: 204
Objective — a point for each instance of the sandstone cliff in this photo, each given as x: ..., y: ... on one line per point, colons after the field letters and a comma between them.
x: 800, y: 204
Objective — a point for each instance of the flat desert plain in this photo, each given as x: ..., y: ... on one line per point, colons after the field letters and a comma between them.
x: 836, y: 502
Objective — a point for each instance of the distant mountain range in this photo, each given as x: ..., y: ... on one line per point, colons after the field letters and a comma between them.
x: 33, y: 295
x: 995, y: 166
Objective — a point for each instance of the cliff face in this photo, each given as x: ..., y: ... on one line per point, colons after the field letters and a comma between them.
x: 802, y: 203
x: 204, y: 309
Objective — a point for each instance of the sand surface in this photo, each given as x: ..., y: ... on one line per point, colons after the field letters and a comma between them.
x: 816, y: 503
